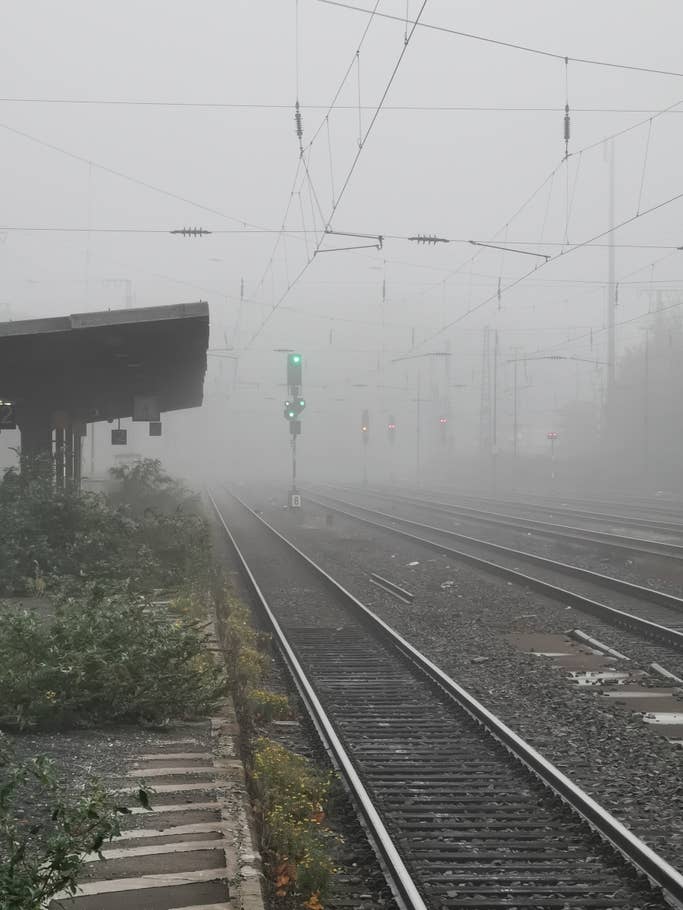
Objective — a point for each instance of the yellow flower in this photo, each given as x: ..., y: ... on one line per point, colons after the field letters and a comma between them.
x: 50, y: 695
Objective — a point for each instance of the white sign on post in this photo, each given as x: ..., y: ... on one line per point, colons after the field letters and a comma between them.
x: 294, y: 501
x: 146, y: 408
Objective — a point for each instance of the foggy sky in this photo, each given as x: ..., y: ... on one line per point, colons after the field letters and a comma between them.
x: 456, y: 174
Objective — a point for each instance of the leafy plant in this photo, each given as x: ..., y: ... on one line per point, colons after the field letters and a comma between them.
x: 267, y: 706
x: 42, y: 855
x: 245, y: 660
x: 292, y: 795
x: 149, y: 533
x: 103, y: 660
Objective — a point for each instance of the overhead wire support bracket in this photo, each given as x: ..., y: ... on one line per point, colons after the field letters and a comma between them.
x: 507, y: 249
x: 378, y: 238
x: 339, y: 249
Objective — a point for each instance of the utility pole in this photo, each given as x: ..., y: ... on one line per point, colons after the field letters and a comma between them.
x: 494, y: 417
x: 611, y: 281
x: 485, y: 396
x: 514, y: 410
x: 419, y: 401
x: 92, y: 450
x: 646, y: 412
x: 419, y: 424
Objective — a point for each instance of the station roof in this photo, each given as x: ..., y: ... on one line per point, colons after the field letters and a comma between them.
x: 91, y: 365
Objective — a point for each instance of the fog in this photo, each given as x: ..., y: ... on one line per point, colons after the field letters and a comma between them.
x: 120, y: 123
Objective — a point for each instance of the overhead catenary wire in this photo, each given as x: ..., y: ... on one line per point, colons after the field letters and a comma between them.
x: 127, y: 177
x: 551, y: 178
x: 511, y: 44
x: 407, y: 108
x: 554, y: 258
x: 303, y: 232
x: 347, y: 179
x: 301, y: 161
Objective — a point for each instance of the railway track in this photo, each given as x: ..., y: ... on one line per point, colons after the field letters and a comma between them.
x: 623, y: 545
x: 666, y: 525
x: 664, y: 624
x: 462, y: 812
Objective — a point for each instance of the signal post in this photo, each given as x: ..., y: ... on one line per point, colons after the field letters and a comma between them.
x: 293, y: 407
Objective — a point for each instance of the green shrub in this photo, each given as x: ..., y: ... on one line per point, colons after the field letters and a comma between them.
x: 267, y: 706
x: 292, y: 795
x: 103, y: 660
x: 42, y: 852
x: 150, y: 533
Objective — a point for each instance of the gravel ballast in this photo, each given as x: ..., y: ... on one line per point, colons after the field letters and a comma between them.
x: 461, y: 615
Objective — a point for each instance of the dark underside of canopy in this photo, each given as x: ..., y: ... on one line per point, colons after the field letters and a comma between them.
x: 92, y: 365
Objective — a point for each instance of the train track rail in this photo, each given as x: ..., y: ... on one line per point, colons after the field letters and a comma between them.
x: 658, y: 631
x: 614, y: 543
x: 461, y: 811
x: 665, y: 525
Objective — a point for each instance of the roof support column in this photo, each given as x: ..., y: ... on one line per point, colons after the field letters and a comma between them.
x: 36, y: 436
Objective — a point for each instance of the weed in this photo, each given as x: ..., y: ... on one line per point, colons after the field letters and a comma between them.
x: 267, y: 706
x: 292, y: 795
x: 43, y: 855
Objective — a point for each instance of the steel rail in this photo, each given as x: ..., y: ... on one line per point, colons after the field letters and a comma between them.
x: 399, y: 878
x: 613, y: 831
x: 663, y: 526
x: 391, y: 588
x: 549, y: 529
x: 652, y: 630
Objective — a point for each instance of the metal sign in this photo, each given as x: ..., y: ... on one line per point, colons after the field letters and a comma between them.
x: 8, y: 417
x: 146, y: 408
x: 294, y: 500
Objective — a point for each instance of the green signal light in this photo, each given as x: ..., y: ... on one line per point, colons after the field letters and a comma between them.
x: 296, y: 358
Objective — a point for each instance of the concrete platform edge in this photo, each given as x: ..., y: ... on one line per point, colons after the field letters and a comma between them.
x: 242, y: 856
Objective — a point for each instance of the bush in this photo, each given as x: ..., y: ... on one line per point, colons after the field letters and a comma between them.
x: 42, y: 855
x: 149, y: 533
x: 292, y: 795
x: 246, y: 663
x: 267, y: 706
x: 103, y: 660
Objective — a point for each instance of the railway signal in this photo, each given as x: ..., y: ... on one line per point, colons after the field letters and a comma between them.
x: 293, y: 408
x: 552, y: 436
x: 294, y: 370
x: 391, y: 429
x: 365, y: 427
x: 443, y: 422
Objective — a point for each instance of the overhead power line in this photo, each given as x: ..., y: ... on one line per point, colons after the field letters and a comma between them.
x: 347, y: 180
x: 116, y: 173
x: 511, y: 44
x: 275, y: 106
x: 378, y: 238
x: 561, y: 255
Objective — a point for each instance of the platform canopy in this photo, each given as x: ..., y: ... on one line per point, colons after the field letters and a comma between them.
x: 94, y: 366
